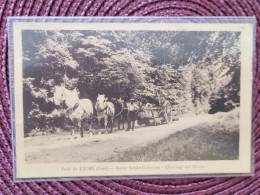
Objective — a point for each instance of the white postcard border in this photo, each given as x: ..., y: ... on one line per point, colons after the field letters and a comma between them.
x: 243, y: 165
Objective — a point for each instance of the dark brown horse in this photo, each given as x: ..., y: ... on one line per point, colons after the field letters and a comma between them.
x: 120, y: 112
x: 133, y: 108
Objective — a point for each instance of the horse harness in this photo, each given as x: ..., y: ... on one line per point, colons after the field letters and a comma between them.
x: 123, y: 108
x: 71, y: 109
x: 102, y: 110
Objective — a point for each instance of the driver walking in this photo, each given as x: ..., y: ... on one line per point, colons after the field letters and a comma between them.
x: 132, y: 108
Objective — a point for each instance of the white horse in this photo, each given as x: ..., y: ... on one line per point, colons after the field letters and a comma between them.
x: 105, y: 110
x: 77, y: 109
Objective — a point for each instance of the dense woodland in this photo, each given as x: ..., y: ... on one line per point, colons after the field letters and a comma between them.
x: 198, y: 72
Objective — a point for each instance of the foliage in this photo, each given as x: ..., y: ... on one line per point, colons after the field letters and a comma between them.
x: 197, y: 72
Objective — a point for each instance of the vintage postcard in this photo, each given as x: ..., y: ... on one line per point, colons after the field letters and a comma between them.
x: 100, y: 99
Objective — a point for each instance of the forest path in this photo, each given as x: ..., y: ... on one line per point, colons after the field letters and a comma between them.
x: 62, y: 148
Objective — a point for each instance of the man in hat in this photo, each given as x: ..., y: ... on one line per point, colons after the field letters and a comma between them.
x: 132, y: 112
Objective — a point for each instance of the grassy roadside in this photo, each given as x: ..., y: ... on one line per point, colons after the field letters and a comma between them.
x: 204, y: 142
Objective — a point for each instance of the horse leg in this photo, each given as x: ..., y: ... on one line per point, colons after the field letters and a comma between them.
x: 90, y: 125
x: 112, y: 123
x: 119, y: 121
x: 128, y: 124
x: 105, y: 123
x: 124, y: 121
x: 99, y: 124
x: 72, y: 128
x: 66, y: 125
x: 80, y: 128
x: 133, y: 124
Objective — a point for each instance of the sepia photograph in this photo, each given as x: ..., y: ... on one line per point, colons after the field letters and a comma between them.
x: 131, y: 96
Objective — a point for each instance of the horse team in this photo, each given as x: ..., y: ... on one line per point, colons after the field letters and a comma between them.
x: 80, y: 109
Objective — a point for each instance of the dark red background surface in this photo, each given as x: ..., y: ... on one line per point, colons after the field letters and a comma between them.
x: 223, y: 185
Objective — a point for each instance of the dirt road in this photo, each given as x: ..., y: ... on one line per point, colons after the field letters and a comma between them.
x: 94, y: 148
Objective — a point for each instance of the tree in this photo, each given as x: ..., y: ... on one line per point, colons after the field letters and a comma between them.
x: 198, y: 72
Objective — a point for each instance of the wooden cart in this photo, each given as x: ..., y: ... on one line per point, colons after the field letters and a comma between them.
x: 155, y: 115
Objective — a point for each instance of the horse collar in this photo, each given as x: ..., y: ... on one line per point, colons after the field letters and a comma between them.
x: 75, y: 106
x: 105, y: 107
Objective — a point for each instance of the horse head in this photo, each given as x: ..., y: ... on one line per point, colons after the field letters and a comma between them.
x: 121, y: 102
x: 59, y: 95
x: 101, y: 99
x: 69, y: 97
